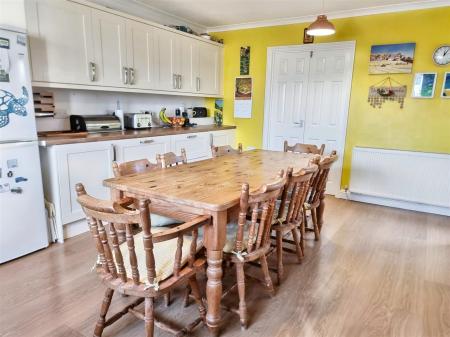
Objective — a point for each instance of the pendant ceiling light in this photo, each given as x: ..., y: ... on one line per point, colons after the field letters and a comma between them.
x: 321, y: 26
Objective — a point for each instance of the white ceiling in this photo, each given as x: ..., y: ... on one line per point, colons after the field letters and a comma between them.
x: 224, y: 14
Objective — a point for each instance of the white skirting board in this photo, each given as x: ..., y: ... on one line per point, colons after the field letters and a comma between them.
x: 405, y: 179
x: 412, y: 206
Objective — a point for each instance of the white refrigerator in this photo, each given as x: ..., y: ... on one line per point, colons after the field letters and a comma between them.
x: 23, y: 224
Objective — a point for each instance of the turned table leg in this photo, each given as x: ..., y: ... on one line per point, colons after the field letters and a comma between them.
x: 320, y: 210
x: 215, y: 240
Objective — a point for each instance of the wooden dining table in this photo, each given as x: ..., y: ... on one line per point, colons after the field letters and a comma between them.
x: 209, y: 187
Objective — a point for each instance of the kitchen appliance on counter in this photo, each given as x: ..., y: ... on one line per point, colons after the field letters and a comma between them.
x: 141, y: 120
x: 23, y: 223
x: 199, y: 112
x: 95, y: 123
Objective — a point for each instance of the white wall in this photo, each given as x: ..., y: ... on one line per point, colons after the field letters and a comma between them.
x: 85, y: 102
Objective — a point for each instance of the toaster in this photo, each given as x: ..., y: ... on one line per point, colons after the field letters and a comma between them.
x: 95, y: 123
x: 137, y: 120
x: 199, y: 112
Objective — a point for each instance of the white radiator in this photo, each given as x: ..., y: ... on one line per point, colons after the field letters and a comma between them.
x: 401, y: 175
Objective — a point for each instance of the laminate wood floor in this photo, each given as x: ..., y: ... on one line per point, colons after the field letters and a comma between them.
x: 377, y: 271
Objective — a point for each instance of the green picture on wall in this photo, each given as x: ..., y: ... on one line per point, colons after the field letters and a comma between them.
x: 423, y: 86
x: 245, y: 61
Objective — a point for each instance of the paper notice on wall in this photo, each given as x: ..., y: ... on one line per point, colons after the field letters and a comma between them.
x: 243, y: 97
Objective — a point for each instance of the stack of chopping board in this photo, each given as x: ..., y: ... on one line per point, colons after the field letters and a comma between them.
x: 43, y: 104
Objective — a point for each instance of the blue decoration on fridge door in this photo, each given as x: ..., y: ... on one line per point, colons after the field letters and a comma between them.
x: 9, y: 104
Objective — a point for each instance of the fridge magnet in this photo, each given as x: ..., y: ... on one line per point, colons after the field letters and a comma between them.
x: 446, y: 86
x: 307, y: 38
x: 243, y: 97
x: 10, y: 104
x: 423, y: 85
x: 392, y: 58
x: 4, y: 60
x: 384, y: 91
x: 245, y: 61
x: 218, y: 112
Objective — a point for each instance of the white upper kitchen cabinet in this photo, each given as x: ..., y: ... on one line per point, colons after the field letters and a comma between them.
x: 209, y: 72
x: 110, y: 49
x: 141, y: 148
x: 142, y: 57
x: 61, y: 44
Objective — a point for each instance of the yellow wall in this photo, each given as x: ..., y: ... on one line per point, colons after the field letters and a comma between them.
x: 422, y: 125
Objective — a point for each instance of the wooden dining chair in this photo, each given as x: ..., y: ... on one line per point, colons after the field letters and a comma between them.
x: 304, y: 148
x: 316, y: 194
x: 149, y: 264
x: 249, y: 240
x: 219, y: 151
x: 288, y: 218
x: 171, y: 159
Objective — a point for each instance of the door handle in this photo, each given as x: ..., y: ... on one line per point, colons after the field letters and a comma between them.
x: 174, y: 81
x: 147, y: 141
x: 198, y: 83
x: 125, y: 75
x: 299, y: 124
x: 179, y: 82
x: 192, y: 136
x: 131, y: 81
x: 113, y: 148
x: 92, y: 71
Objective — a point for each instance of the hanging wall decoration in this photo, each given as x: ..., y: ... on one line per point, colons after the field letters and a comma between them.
x: 245, y: 61
x: 384, y: 91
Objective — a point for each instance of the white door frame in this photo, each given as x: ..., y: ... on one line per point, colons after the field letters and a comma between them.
x: 346, y: 45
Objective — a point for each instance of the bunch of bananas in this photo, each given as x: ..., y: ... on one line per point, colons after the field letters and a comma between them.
x: 163, y: 117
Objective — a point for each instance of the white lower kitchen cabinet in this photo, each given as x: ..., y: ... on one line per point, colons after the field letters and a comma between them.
x: 63, y: 166
x: 141, y: 148
x: 224, y: 137
x: 197, y: 145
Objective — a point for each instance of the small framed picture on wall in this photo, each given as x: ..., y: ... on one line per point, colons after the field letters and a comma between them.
x: 446, y: 86
x: 307, y: 38
x: 424, y: 84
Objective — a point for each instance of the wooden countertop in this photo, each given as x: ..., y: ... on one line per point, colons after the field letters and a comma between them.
x: 127, y: 134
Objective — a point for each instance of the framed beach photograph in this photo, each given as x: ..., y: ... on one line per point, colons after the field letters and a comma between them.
x: 424, y: 84
x: 392, y: 58
x: 445, y: 93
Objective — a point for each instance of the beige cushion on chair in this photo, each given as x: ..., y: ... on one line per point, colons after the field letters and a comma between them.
x: 164, y: 253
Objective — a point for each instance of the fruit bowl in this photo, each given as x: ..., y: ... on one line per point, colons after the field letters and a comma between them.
x: 177, y: 121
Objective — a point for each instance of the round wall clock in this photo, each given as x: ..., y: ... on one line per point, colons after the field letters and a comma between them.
x: 441, y: 55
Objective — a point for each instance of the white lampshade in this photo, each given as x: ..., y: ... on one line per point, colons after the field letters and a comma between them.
x: 321, y: 27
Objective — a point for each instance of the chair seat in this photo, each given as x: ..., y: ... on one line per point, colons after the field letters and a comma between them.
x: 162, y: 221
x: 164, y: 253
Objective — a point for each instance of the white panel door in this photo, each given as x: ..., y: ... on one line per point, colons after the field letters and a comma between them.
x: 142, y: 55
x: 168, y: 67
x: 110, y: 48
x: 142, y: 148
x: 288, y: 95
x: 225, y: 137
x: 209, y: 73
x: 60, y: 34
x: 88, y: 164
x: 328, y: 94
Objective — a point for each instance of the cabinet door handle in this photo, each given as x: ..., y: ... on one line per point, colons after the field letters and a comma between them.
x: 125, y: 75
x: 147, y: 141
x: 113, y: 148
x: 179, y: 82
x: 131, y: 81
x: 198, y: 83
x: 175, y: 81
x: 191, y: 136
x: 92, y: 71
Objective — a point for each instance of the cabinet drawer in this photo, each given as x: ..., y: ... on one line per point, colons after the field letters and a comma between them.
x: 141, y: 148
x: 197, y: 145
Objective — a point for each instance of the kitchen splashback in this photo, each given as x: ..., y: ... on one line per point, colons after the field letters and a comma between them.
x: 83, y: 102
